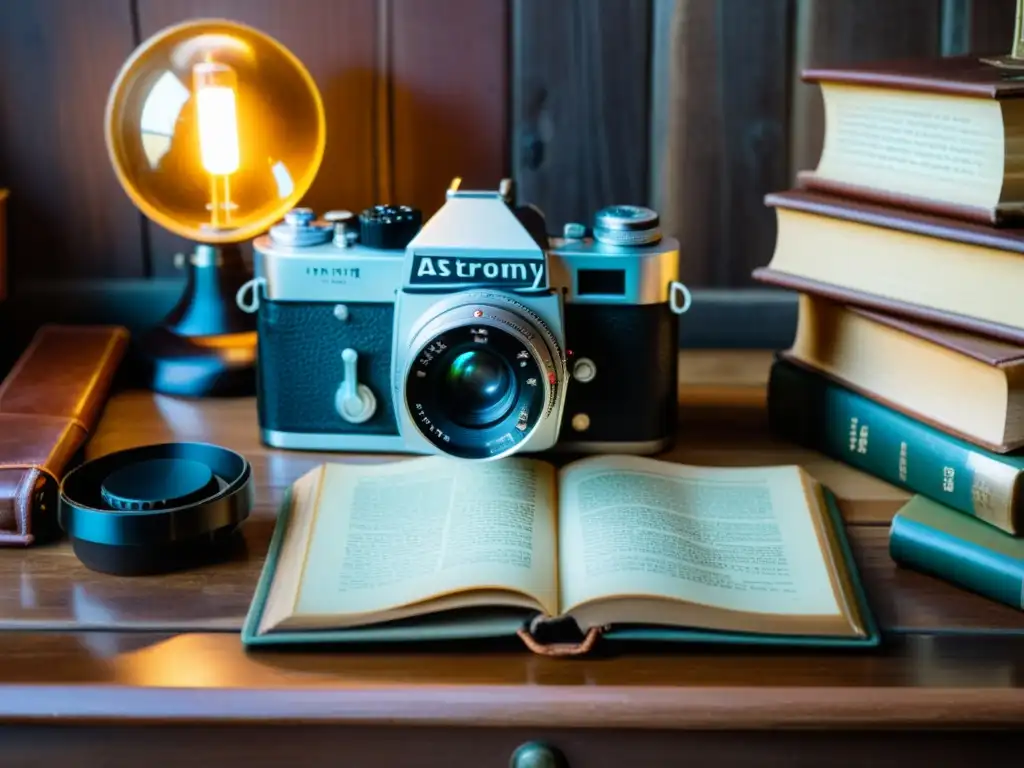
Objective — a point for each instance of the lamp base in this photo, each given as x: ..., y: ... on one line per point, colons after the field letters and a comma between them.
x: 206, y: 346
x: 189, y: 366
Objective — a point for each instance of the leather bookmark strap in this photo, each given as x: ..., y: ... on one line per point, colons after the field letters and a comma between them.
x: 584, y: 646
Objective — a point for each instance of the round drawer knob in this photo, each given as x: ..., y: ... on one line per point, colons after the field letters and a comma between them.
x: 536, y: 755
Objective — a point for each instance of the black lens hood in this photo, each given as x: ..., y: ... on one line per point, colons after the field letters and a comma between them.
x: 155, y: 508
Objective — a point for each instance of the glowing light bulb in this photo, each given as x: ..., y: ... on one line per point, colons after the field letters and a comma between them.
x: 218, y: 130
x: 215, y: 86
x: 217, y: 115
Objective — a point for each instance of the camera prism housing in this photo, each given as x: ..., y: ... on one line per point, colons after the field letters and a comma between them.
x: 475, y: 334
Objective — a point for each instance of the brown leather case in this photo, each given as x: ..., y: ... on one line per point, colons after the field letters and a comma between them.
x: 49, y: 404
x: 953, y: 75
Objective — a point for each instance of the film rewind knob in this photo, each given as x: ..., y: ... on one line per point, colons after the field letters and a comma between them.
x: 354, y: 402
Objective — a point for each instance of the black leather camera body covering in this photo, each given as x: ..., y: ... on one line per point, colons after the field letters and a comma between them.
x: 300, y: 369
x: 633, y: 396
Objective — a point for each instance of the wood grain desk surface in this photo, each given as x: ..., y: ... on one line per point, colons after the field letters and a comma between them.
x: 86, y: 647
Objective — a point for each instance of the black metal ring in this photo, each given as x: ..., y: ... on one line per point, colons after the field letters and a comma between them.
x: 167, y: 516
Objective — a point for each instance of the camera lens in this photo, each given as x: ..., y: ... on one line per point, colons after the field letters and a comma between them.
x: 478, y: 388
x: 482, y: 375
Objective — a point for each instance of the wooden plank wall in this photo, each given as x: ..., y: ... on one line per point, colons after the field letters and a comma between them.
x: 581, y: 101
x: 67, y: 214
x: 694, y: 106
x: 729, y: 70
x: 448, y: 80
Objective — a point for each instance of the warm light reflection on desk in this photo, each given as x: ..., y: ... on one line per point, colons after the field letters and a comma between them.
x: 186, y: 661
x: 210, y: 660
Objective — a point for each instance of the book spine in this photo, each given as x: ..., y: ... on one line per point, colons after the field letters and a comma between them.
x: 816, y: 413
x: 922, y: 547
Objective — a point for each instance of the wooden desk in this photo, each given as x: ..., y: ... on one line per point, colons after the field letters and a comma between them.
x: 124, y: 655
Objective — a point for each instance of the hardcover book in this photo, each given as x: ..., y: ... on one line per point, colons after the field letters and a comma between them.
x: 811, y: 410
x: 622, y: 548
x: 940, y: 134
x: 922, y: 267
x: 968, y: 386
x: 934, y: 539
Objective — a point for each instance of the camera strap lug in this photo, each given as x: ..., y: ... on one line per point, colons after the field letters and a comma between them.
x: 679, y: 298
x: 248, y: 296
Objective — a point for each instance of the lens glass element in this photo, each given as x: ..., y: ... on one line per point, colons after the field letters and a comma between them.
x: 478, y: 388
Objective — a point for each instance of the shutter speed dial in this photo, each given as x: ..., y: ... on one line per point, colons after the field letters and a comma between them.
x: 354, y: 402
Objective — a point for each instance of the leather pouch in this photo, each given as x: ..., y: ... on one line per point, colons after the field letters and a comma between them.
x: 49, y: 404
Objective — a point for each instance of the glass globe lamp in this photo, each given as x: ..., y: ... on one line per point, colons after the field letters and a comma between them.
x: 214, y: 130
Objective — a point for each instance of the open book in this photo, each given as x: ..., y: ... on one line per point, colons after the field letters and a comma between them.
x: 432, y: 548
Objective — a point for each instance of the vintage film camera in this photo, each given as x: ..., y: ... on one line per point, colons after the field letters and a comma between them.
x: 474, y: 335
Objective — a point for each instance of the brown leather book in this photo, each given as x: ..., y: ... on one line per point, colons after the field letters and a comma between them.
x: 950, y: 75
x: 965, y: 385
x: 1000, y: 216
x: 49, y: 404
x: 934, y: 134
x: 998, y: 354
x: 913, y: 265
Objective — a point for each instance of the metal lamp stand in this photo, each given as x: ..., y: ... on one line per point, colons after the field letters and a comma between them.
x: 205, y: 346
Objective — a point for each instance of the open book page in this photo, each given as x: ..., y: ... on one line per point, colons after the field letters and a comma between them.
x: 739, y: 540
x: 387, y: 537
x: 280, y: 600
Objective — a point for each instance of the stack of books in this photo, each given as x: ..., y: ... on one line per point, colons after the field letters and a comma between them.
x: 906, y: 246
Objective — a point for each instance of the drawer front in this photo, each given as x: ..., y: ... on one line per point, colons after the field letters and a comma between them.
x: 358, y: 747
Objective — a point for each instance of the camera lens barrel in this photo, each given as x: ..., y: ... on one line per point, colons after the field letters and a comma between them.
x: 481, y: 376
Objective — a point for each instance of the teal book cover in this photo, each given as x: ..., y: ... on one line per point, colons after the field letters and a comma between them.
x: 809, y: 409
x: 488, y: 624
x: 934, y: 539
